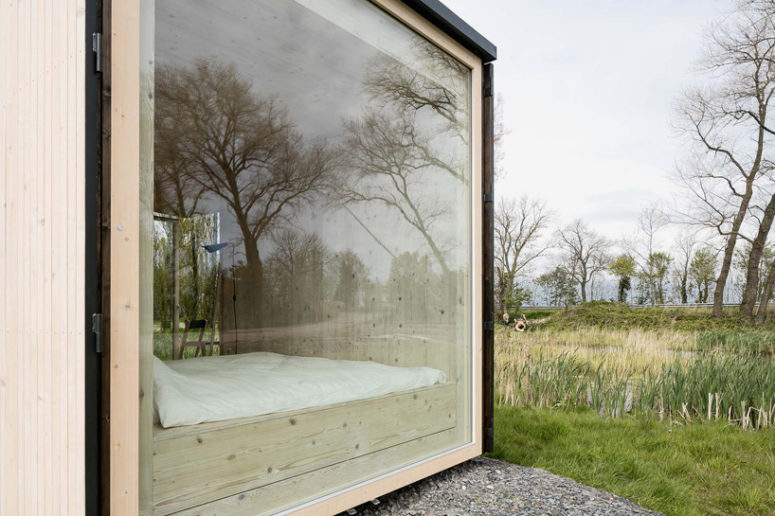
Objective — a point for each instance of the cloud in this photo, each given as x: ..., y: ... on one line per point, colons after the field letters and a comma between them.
x: 590, y: 89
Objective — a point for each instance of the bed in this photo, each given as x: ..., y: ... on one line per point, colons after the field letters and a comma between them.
x: 217, y: 388
x: 230, y: 427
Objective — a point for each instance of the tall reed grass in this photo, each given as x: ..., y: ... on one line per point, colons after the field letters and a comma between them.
x: 680, y: 376
x: 748, y: 342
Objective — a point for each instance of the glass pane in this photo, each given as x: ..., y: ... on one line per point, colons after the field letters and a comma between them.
x: 308, y: 245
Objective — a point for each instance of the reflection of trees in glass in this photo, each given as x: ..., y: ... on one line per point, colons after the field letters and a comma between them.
x: 222, y: 139
x: 351, y: 278
x: 408, y: 139
x: 389, y: 82
x: 162, y: 279
x: 295, y: 277
x: 416, y: 292
x: 387, y: 167
x: 196, y: 269
x: 176, y: 192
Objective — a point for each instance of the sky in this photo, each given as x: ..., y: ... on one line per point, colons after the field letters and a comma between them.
x: 589, y: 93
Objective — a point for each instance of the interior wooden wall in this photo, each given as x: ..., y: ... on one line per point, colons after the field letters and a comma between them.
x: 42, y: 45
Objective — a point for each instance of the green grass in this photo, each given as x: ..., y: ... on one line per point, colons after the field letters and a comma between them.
x: 701, y: 468
x: 538, y: 313
x: 679, y: 392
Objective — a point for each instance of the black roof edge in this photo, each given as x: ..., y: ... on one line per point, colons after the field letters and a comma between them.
x: 441, y: 16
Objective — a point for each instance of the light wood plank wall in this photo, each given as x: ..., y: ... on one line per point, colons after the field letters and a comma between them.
x: 42, y: 55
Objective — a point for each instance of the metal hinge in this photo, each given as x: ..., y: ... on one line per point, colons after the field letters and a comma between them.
x: 96, y: 47
x: 487, y: 92
x: 96, y: 328
x: 488, y: 197
x: 489, y: 326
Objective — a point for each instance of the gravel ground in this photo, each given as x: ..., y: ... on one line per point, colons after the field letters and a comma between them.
x: 491, y: 487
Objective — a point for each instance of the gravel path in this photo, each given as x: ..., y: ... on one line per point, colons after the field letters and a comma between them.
x: 491, y: 487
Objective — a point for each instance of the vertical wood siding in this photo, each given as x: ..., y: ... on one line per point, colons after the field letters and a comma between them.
x: 124, y: 332
x: 42, y: 53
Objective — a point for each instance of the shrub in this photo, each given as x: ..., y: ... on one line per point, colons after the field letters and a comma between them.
x: 621, y: 316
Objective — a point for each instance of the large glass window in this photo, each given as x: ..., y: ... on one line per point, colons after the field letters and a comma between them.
x: 307, y: 258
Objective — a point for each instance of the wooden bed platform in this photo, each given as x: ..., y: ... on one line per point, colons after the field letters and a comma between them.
x: 230, y: 467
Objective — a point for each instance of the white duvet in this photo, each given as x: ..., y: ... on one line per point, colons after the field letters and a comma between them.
x: 187, y: 392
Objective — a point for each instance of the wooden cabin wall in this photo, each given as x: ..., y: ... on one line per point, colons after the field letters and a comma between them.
x: 42, y: 45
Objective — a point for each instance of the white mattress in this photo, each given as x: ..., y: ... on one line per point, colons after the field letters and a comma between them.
x: 188, y: 392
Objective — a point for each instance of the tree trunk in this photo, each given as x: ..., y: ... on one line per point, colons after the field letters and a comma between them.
x: 652, y: 289
x: 503, y: 287
x: 769, y: 283
x: 436, y: 252
x: 726, y: 265
x: 718, y: 295
x: 754, y: 260
x: 729, y: 251
x: 250, y: 297
x: 194, y: 248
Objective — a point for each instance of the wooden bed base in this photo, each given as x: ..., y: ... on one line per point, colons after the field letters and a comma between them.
x: 240, y: 465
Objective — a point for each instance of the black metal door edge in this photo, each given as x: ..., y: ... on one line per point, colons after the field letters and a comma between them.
x: 92, y: 273
x: 488, y: 301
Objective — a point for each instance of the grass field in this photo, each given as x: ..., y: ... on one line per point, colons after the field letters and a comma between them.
x: 669, y: 407
x: 706, y: 468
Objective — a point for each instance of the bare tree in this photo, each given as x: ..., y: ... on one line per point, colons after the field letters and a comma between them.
x: 684, y: 245
x: 755, y: 258
x: 295, y: 273
x: 352, y: 275
x: 441, y: 89
x: 499, y: 137
x: 236, y: 146
x: 175, y: 192
x: 518, y: 230
x: 403, y: 140
x: 644, y: 247
x: 766, y: 292
x: 585, y: 252
x: 729, y: 124
x: 387, y: 160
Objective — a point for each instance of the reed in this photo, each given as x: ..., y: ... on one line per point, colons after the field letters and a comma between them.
x: 750, y: 342
x: 680, y: 376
